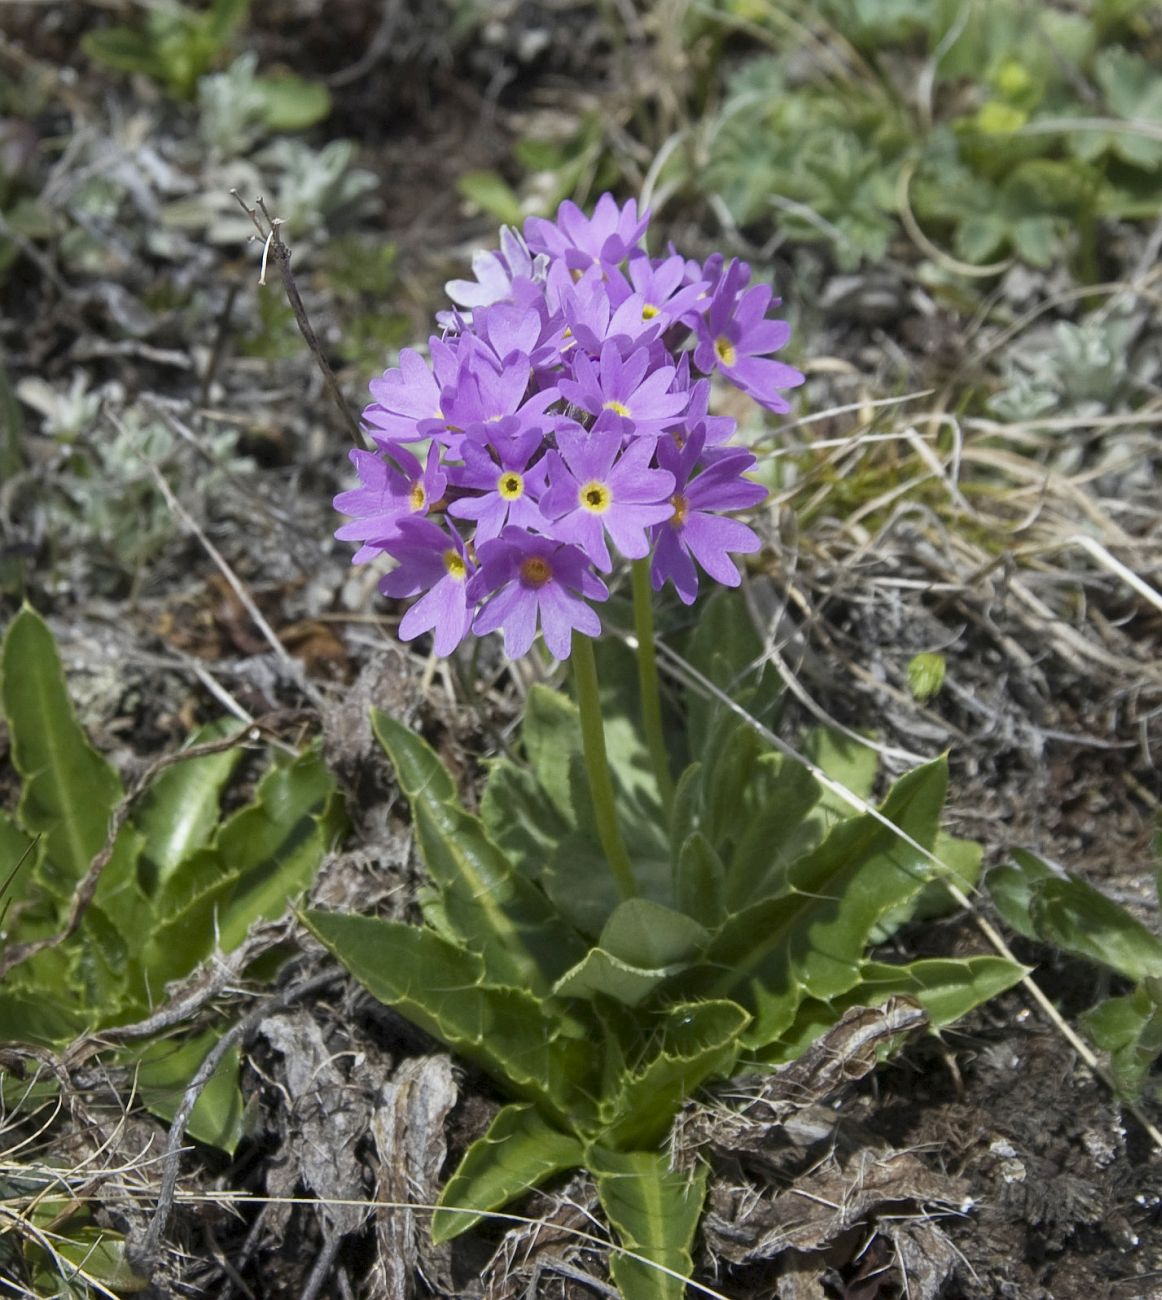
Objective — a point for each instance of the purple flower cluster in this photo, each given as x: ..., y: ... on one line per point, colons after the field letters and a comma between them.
x: 565, y: 408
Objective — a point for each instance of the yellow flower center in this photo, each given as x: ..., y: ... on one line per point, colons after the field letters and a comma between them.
x: 619, y: 407
x: 724, y: 349
x: 595, y: 497
x: 510, y: 485
x: 454, y: 564
x: 678, y: 518
x: 535, y: 571
x: 649, y: 311
x: 417, y: 497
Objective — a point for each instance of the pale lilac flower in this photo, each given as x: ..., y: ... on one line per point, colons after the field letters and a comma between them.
x: 526, y: 578
x: 501, y: 464
x: 593, y: 491
x: 495, y: 272
x: 410, y: 393
x: 697, y: 530
x: 734, y: 336
x: 625, y: 388
x: 435, y: 562
x: 608, y: 236
x: 392, y: 490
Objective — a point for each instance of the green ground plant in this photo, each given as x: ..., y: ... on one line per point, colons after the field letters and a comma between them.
x: 109, y: 897
x: 761, y: 896
x: 1060, y: 909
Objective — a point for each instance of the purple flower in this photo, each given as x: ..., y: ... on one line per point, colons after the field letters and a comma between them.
x: 593, y: 491
x: 432, y: 561
x: 497, y: 465
x: 483, y: 393
x: 495, y: 272
x: 626, y: 389
x: 390, y: 493
x: 608, y: 236
x: 527, y: 578
x: 734, y: 336
x: 410, y: 393
x: 696, y: 531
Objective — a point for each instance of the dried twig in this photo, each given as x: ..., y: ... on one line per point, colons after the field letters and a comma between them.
x: 273, y: 247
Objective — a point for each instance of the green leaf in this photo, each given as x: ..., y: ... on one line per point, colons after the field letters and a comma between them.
x: 260, y: 859
x: 520, y: 818
x: 47, y: 1016
x: 811, y: 941
x: 493, y: 195
x: 963, y: 859
x: 1129, y: 1028
x: 289, y: 103
x: 654, y: 1211
x: 641, y: 945
x: 700, y: 880
x: 180, y: 811
x: 164, y: 1071
x: 647, y: 934
x: 687, y: 1044
x: 1081, y: 920
x: 492, y: 907
x: 926, y: 675
x: 1012, y: 889
x: 125, y: 49
x: 70, y: 792
x: 599, y: 972
x: 540, y: 1052
x: 517, y: 1153
x: 11, y: 428
x: 946, y: 988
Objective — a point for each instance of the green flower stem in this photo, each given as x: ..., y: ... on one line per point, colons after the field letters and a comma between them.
x: 597, y: 765
x: 647, y: 671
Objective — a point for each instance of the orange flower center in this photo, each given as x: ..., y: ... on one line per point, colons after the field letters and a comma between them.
x: 535, y: 571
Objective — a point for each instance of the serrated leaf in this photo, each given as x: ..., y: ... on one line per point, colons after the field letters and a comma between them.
x: 962, y: 858
x: 811, y: 941
x: 517, y: 1153
x: 519, y: 818
x: 947, y: 989
x: 492, y: 907
x: 69, y: 790
x: 654, y: 1211
x: 688, y: 1043
x: 647, y: 934
x: 180, y: 811
x: 260, y: 859
x: 539, y: 1053
x: 164, y: 1069
x: 600, y: 972
x: 787, y: 813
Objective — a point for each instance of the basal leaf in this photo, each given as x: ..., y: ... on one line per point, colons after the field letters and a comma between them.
x: 37, y: 1016
x: 519, y: 819
x: 811, y: 941
x: 69, y: 790
x: 700, y: 880
x: 645, y: 933
x: 1081, y: 920
x: 261, y: 858
x: 180, y: 811
x: 601, y: 973
x: 517, y: 1153
x: 164, y: 1069
x: 947, y: 989
x: 687, y: 1044
x: 1129, y: 1028
x: 540, y: 1053
x: 785, y: 816
x: 491, y: 906
x: 654, y: 1211
x: 1012, y: 887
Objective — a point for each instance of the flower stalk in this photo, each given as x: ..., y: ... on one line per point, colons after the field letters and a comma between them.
x: 597, y: 765
x: 651, y: 695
